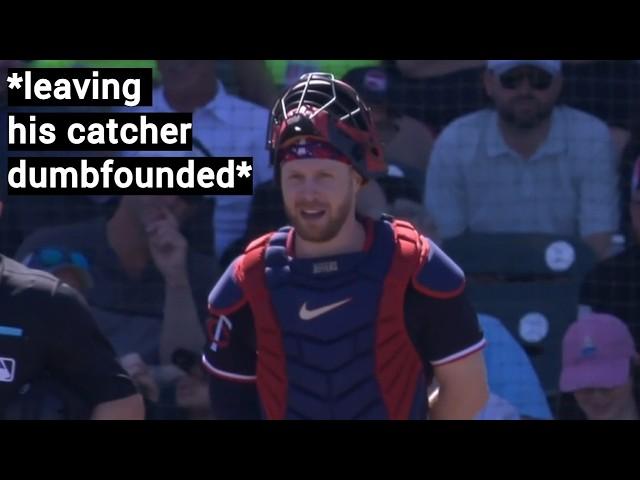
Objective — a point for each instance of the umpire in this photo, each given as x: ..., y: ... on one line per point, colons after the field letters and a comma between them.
x: 52, y: 350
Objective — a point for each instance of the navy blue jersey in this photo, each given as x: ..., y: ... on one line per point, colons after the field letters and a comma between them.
x: 348, y: 337
x: 47, y: 332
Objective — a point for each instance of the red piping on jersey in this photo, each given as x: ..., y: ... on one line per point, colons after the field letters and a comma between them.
x: 436, y: 294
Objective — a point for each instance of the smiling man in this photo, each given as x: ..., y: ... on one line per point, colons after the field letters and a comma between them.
x: 339, y: 316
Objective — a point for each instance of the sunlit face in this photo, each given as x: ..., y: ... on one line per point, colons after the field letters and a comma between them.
x: 319, y: 196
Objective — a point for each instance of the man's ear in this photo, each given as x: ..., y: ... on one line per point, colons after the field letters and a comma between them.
x: 358, y: 180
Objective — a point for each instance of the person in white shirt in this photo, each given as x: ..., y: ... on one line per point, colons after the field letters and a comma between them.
x: 223, y: 126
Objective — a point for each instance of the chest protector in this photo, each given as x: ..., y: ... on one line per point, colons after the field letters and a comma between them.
x: 331, y: 336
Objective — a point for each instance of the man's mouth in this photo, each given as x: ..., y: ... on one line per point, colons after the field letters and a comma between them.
x: 312, y: 214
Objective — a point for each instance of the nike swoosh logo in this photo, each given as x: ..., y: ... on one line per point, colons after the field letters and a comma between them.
x: 306, y: 314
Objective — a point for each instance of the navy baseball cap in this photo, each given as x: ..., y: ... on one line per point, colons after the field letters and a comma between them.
x: 371, y: 83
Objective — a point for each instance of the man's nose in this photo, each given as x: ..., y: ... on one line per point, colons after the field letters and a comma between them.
x: 309, y: 189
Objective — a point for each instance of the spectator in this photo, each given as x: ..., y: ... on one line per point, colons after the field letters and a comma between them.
x: 406, y: 141
x: 70, y: 267
x: 526, y: 166
x: 600, y: 368
x: 223, y: 125
x: 510, y: 373
x: 54, y: 363
x: 613, y: 286
x: 630, y: 155
x: 148, y: 283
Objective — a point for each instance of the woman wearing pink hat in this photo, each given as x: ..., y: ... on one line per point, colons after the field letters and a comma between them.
x: 600, y: 368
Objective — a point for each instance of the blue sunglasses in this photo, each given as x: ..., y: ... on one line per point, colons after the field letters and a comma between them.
x: 50, y: 257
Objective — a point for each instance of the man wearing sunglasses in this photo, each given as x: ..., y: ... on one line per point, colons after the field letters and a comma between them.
x: 47, y: 334
x: 527, y: 165
x: 68, y: 266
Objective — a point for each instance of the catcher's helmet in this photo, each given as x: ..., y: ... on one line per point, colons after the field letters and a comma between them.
x: 322, y: 108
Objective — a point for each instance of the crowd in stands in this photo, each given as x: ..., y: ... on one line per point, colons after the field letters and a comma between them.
x: 477, y: 151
